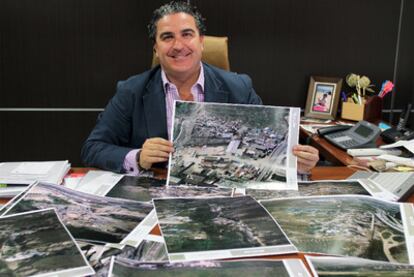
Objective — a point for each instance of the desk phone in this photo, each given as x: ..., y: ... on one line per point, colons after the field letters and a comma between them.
x: 361, y: 135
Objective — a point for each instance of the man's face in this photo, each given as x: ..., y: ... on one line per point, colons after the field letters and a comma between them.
x: 178, y: 45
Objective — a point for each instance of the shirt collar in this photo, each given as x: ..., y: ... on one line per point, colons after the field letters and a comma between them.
x: 200, y: 81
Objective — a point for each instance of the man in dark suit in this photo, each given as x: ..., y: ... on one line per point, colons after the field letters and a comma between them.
x: 131, y: 135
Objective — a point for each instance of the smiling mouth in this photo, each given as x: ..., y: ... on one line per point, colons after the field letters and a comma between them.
x: 181, y: 56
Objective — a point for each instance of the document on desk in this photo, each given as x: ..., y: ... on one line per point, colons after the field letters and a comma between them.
x: 88, y: 217
x: 219, y: 228
x: 229, y: 145
x: 29, y: 172
x: 408, y: 144
x: 348, y: 225
x: 392, y: 186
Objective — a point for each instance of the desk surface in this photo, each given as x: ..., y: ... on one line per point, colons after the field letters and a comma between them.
x: 318, y: 173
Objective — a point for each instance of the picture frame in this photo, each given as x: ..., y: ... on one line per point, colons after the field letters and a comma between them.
x: 323, y: 97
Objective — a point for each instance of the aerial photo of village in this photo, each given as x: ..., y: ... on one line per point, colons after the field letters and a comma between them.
x: 351, y: 266
x: 130, y: 268
x: 88, y: 217
x: 146, y: 188
x: 310, y: 189
x: 37, y: 243
x: 195, y: 224
x: 229, y: 145
x: 351, y: 225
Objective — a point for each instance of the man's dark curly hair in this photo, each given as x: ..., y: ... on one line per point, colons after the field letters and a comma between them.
x: 172, y: 8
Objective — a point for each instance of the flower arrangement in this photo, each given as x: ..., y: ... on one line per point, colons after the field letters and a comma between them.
x: 361, y: 84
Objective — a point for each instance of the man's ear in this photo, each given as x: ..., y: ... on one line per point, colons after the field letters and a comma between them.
x: 202, y: 42
x: 154, y: 49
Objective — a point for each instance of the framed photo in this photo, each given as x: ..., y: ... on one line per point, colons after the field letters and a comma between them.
x: 323, y: 97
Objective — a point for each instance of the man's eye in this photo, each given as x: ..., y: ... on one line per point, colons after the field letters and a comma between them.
x: 187, y: 35
x: 166, y: 38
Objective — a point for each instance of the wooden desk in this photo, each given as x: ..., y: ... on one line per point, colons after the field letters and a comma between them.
x: 318, y: 173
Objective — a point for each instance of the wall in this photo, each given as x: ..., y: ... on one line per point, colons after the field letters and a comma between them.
x: 66, y: 56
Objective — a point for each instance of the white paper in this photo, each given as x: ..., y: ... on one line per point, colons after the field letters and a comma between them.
x: 98, y: 182
x: 407, y: 214
x: 409, y: 144
x: 71, y: 182
x: 296, y: 268
x: 40, y: 168
x: 136, y: 236
x: 28, y: 172
x: 377, y: 190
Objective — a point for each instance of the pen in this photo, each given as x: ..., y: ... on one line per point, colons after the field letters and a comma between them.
x: 343, y: 95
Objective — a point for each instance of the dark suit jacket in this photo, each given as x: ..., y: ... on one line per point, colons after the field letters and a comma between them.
x: 137, y: 112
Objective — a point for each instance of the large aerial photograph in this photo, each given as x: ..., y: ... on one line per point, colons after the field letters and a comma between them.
x: 88, y: 217
x: 192, y: 225
x: 351, y: 266
x: 145, y: 189
x: 231, y: 145
x: 36, y: 243
x: 349, y: 225
x: 130, y: 268
x: 310, y: 189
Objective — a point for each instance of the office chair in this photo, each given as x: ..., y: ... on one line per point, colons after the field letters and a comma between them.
x: 215, y: 52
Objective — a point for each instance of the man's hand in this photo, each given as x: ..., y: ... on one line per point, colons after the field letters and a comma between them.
x: 154, y: 150
x: 307, y: 156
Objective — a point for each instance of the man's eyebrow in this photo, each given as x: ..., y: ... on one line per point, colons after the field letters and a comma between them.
x: 165, y: 34
x: 188, y: 30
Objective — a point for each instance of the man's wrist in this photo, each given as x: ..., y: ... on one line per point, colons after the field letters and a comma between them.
x: 137, y: 159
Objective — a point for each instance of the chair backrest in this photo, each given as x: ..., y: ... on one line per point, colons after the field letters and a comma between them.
x: 215, y: 52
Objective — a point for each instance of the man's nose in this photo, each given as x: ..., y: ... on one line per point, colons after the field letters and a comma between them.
x: 178, y: 44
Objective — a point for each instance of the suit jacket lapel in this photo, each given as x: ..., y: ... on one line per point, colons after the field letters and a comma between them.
x: 154, y: 108
x: 213, y: 88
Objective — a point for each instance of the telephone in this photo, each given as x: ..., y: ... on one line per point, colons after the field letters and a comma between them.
x: 361, y: 135
x: 401, y: 132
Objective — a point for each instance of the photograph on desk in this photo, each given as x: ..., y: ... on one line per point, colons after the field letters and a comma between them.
x: 37, y: 243
x: 151, y: 249
x: 348, y: 225
x: 218, y: 228
x: 88, y: 217
x: 228, y: 145
x: 15, y: 199
x: 327, y: 187
x: 137, y: 188
x: 311, y: 188
x: 351, y: 266
x: 246, y: 268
